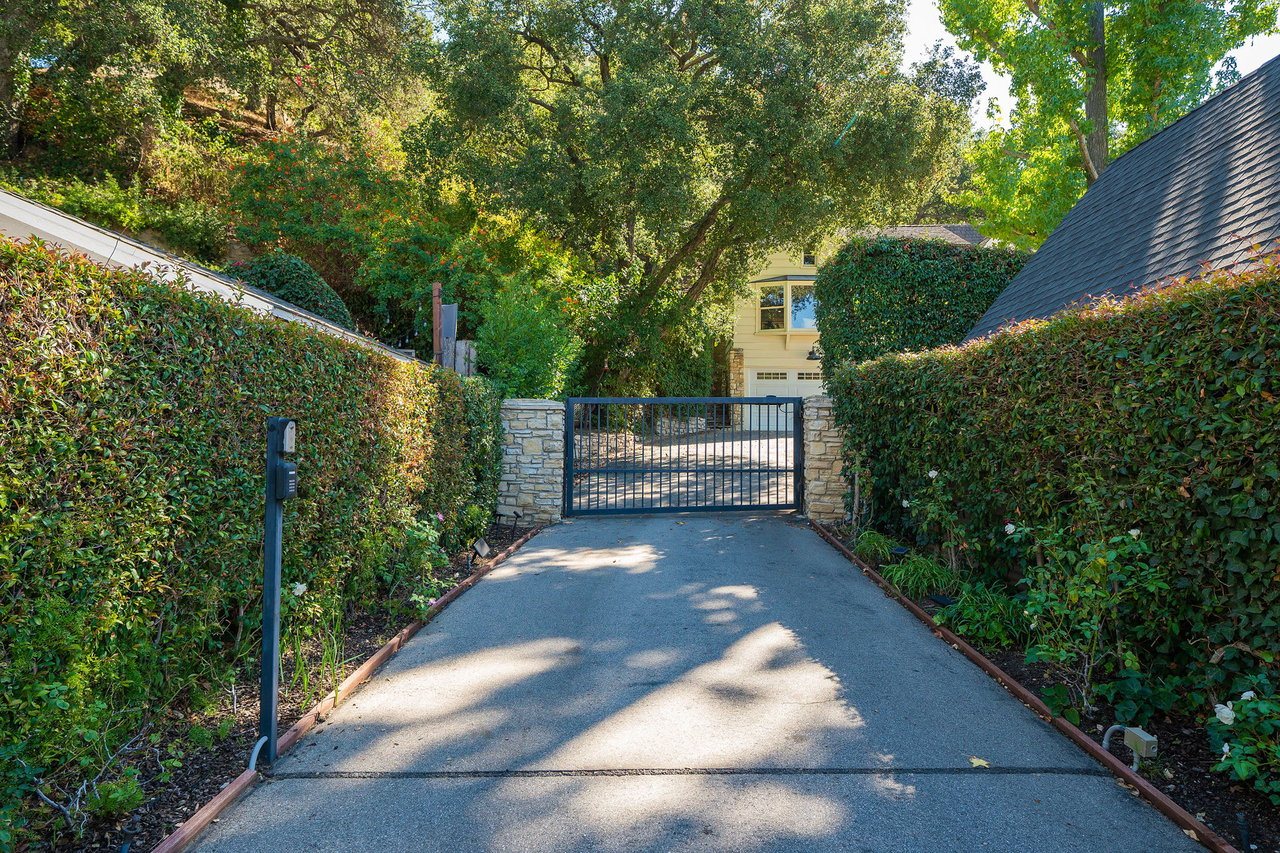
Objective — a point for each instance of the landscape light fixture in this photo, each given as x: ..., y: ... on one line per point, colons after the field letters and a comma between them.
x: 479, y: 548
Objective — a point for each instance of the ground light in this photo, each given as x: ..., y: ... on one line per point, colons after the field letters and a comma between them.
x: 479, y: 548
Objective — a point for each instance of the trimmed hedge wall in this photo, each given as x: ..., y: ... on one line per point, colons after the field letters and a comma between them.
x: 132, y: 425
x: 1151, y: 421
x: 888, y: 294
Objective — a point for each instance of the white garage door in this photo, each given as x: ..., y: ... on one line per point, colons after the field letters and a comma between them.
x: 779, y: 383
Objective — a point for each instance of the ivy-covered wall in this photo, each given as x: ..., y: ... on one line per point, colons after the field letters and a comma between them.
x: 132, y: 426
x: 1142, y: 434
x: 884, y: 294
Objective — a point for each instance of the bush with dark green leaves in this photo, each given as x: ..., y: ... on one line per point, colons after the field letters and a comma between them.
x: 132, y: 427
x: 1149, y: 421
x: 293, y: 280
x: 484, y: 454
x: 883, y: 294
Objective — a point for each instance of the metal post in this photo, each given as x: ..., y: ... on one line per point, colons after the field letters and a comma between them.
x: 279, y: 442
x: 798, y: 452
x: 568, y: 456
x: 437, y: 325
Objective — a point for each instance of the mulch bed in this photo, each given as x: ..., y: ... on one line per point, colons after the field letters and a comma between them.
x: 207, y: 770
x: 1183, y: 770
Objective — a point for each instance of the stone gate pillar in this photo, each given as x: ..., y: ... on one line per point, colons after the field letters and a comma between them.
x: 824, y: 484
x: 532, y: 461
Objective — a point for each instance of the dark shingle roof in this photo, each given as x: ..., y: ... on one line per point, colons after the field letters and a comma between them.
x: 962, y: 234
x: 1204, y: 190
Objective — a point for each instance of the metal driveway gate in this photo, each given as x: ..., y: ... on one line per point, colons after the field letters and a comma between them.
x: 676, y: 454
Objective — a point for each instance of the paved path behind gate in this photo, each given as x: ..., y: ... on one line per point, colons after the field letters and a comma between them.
x: 685, y: 684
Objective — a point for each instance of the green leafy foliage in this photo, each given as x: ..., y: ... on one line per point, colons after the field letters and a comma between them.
x: 1090, y: 81
x: 524, y: 343
x: 871, y: 545
x: 484, y: 454
x: 115, y: 799
x: 886, y: 295
x: 917, y: 575
x: 405, y: 263
x: 92, y: 126
x: 1152, y: 415
x: 186, y: 226
x: 1245, y: 733
x: 987, y: 615
x: 131, y: 433
x: 293, y: 280
x: 673, y: 147
x: 1075, y: 597
x: 324, y: 205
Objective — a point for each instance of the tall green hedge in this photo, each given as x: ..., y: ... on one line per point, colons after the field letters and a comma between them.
x: 131, y: 437
x: 883, y: 294
x: 1152, y: 421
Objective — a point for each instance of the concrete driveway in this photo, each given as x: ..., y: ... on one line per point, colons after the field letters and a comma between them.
x: 685, y: 684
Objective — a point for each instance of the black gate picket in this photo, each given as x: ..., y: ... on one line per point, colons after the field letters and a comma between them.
x: 681, y: 454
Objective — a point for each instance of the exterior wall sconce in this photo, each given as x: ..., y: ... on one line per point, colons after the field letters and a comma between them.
x: 815, y: 353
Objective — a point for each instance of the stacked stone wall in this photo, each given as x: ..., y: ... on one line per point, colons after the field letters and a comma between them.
x: 824, y: 485
x: 533, y: 461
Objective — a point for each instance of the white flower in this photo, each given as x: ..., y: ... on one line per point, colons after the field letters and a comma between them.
x: 1135, y: 532
x: 1226, y: 749
x: 1010, y: 528
x: 933, y: 475
x: 1225, y: 714
x: 1248, y: 695
x: 906, y: 504
x: 299, y: 589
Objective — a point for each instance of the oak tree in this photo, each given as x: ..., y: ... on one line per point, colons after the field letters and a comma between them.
x: 675, y: 143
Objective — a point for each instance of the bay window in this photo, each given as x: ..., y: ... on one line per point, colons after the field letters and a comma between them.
x: 787, y: 306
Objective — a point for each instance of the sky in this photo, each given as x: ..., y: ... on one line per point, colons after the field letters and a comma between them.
x: 924, y: 27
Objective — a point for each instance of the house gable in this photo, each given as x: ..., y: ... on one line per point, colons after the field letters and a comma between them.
x: 1202, y: 192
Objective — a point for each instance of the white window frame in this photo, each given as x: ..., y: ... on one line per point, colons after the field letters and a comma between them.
x: 787, y: 329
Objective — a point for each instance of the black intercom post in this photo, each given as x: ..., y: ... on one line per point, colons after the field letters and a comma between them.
x: 282, y: 484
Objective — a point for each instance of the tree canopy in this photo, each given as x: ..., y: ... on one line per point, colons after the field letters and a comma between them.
x: 675, y: 144
x: 1090, y: 82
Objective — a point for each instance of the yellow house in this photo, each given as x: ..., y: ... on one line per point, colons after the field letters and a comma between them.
x: 775, y: 334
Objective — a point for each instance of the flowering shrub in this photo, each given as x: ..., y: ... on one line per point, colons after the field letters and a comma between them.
x: 325, y: 206
x: 1075, y: 598
x: 1246, y: 734
x: 1155, y: 414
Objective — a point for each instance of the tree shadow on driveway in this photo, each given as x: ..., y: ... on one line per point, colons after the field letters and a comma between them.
x: 705, y: 683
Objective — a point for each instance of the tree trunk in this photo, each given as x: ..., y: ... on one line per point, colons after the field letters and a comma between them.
x: 10, y: 102
x: 1095, y: 105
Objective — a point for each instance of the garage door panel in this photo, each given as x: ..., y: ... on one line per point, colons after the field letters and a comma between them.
x: 779, y: 382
